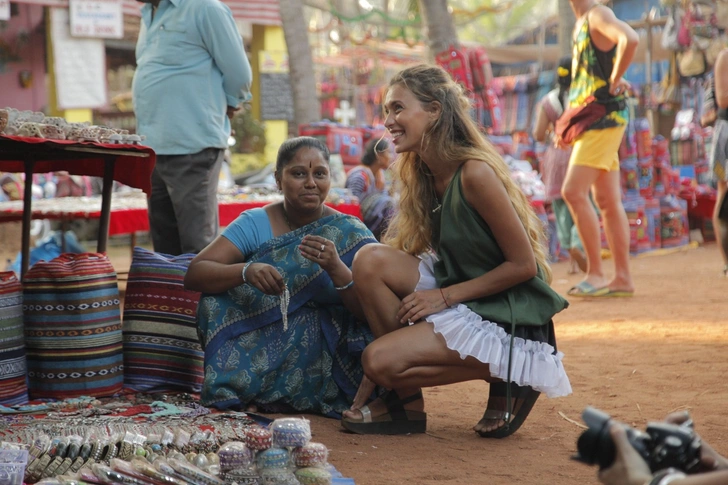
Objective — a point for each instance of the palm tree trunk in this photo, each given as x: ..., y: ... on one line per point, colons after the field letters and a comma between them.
x: 440, y: 25
x: 306, y: 104
x: 566, y: 27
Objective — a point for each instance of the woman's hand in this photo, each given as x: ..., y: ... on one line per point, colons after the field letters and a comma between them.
x: 628, y: 468
x: 709, y: 458
x: 419, y: 304
x: 266, y: 278
x: 619, y: 87
x: 321, y: 251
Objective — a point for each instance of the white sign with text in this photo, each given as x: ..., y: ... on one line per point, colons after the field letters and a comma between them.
x: 4, y: 9
x: 80, y: 66
x: 96, y: 18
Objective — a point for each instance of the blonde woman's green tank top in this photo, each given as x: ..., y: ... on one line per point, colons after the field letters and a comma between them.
x: 467, y: 249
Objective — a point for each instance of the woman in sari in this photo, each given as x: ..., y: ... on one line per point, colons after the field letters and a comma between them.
x: 367, y: 182
x: 279, y: 320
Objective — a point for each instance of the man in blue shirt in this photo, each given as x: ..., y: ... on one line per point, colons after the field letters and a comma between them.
x: 192, y: 74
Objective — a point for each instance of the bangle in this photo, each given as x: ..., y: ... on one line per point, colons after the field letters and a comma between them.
x: 348, y: 285
x: 245, y: 268
x: 443, y: 297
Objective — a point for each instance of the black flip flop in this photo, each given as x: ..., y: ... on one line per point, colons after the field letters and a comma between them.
x: 524, y: 397
x: 397, y: 420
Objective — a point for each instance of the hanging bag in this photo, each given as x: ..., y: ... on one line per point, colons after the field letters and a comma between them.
x: 669, y: 34
x: 691, y: 62
x: 684, y: 36
x: 577, y: 120
x: 721, y: 14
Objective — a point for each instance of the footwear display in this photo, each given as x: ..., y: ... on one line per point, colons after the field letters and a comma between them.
x: 397, y: 419
x: 524, y: 397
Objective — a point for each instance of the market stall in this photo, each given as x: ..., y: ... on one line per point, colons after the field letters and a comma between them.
x: 129, y: 210
x: 129, y: 164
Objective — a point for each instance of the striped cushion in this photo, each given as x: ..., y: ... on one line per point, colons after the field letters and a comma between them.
x: 161, y: 348
x: 13, y: 386
x: 73, y: 327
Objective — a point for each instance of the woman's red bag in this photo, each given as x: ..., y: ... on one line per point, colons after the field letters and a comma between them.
x: 578, y: 119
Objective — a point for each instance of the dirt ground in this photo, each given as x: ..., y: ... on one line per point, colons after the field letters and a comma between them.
x: 637, y: 359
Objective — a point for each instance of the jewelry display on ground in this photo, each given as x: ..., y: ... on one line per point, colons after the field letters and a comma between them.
x: 168, y: 440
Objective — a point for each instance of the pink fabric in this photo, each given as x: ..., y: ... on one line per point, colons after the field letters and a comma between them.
x: 555, y: 161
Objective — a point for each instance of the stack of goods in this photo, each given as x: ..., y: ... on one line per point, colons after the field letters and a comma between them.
x: 281, y: 454
x: 687, y: 148
x: 154, y: 444
x: 30, y: 124
x: 649, y: 185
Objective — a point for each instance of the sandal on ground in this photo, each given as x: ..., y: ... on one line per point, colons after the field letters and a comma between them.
x: 586, y: 289
x: 524, y: 397
x: 397, y: 419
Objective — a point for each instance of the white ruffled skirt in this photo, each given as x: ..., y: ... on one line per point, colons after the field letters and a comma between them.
x: 534, y: 364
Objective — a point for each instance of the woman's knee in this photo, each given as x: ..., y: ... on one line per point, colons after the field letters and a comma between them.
x: 574, y: 195
x: 378, y: 364
x: 368, y: 259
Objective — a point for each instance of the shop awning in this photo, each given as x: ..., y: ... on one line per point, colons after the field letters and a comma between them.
x: 261, y: 12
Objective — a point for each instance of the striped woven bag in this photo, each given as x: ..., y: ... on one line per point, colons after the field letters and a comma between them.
x: 161, y: 348
x: 13, y: 372
x: 73, y: 327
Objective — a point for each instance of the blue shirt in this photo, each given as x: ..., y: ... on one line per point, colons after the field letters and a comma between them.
x: 191, y: 66
x: 249, y: 231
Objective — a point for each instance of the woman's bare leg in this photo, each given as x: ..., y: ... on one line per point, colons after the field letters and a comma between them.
x: 383, y: 276
x: 720, y: 226
x: 380, y: 293
x: 413, y: 357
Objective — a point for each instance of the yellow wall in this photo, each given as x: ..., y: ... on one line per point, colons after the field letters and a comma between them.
x: 267, y: 38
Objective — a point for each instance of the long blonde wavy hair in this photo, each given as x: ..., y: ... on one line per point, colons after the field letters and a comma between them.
x: 452, y: 139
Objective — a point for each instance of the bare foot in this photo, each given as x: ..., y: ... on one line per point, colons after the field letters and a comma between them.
x: 496, y: 411
x: 621, y: 285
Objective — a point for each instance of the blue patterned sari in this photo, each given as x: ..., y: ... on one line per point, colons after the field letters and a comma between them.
x: 312, y: 366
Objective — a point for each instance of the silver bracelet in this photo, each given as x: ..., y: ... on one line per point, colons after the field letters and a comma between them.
x: 348, y: 285
x: 245, y: 268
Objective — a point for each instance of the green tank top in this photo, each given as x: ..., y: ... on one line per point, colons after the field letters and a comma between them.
x: 467, y: 249
x: 590, y: 72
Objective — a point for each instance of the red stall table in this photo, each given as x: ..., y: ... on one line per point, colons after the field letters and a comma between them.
x: 131, y: 165
x: 128, y: 212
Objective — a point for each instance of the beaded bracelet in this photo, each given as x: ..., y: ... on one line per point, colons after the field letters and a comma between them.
x: 348, y: 285
x: 245, y: 268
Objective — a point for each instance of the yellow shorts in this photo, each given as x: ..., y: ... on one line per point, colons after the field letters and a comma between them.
x: 598, y: 149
